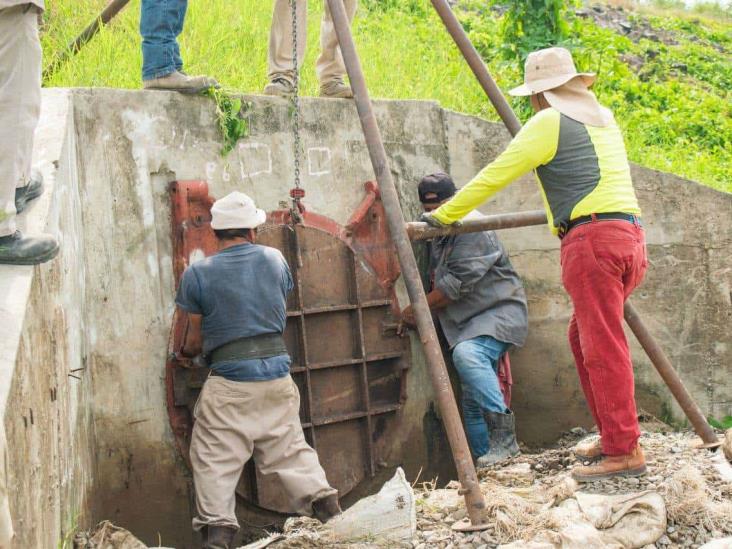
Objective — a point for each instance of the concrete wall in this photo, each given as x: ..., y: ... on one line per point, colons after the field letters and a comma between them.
x: 45, y: 386
x: 106, y: 304
x: 133, y: 145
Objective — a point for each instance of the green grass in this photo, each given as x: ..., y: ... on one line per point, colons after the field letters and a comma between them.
x: 678, y: 123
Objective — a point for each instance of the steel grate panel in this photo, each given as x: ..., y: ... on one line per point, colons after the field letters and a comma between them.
x: 346, y: 358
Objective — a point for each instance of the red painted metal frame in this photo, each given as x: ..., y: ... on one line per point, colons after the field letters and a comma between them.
x: 366, y: 234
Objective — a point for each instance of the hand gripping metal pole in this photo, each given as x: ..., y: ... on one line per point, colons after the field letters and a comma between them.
x: 650, y: 345
x: 435, y: 361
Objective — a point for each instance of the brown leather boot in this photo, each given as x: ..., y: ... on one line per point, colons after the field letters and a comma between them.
x: 326, y: 508
x: 629, y: 465
x: 588, y: 449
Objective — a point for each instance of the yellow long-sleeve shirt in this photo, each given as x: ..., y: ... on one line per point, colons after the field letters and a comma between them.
x: 581, y: 170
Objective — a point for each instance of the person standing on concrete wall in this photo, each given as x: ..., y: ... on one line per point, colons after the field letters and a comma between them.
x: 481, y: 305
x: 329, y: 67
x: 579, y: 156
x: 20, y: 107
x: 236, y: 305
x: 161, y: 22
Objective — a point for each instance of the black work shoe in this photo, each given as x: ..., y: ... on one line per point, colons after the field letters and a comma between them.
x: 218, y: 537
x: 29, y: 192
x: 326, y: 508
x: 17, y: 249
x: 503, y: 445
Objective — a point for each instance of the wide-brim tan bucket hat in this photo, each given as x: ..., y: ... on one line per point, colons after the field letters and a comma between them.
x: 548, y: 69
x: 551, y: 71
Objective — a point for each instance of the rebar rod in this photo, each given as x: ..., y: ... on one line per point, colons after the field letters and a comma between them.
x: 475, y: 503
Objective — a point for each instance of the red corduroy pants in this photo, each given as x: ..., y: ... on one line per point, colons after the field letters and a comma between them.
x: 602, y: 263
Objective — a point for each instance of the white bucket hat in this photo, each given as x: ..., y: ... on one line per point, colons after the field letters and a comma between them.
x: 552, y: 72
x: 236, y: 211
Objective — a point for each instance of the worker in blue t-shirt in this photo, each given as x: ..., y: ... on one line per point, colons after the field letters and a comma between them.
x: 249, y: 406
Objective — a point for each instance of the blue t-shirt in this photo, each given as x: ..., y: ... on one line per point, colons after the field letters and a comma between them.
x: 240, y: 292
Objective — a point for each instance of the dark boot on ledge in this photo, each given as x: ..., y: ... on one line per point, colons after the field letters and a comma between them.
x: 28, y: 192
x: 16, y: 249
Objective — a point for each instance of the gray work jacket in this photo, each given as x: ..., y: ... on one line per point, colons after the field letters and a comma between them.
x: 474, y: 271
x: 12, y: 3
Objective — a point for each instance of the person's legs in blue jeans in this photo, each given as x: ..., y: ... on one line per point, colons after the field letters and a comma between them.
x: 161, y: 21
x: 177, y: 59
x: 476, y: 361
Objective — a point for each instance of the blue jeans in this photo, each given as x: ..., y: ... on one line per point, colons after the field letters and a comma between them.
x: 476, y: 361
x: 161, y: 21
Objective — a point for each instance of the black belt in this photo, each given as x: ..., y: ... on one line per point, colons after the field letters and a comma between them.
x: 245, y: 348
x: 566, y: 226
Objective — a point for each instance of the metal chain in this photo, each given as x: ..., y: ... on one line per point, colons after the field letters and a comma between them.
x: 297, y: 192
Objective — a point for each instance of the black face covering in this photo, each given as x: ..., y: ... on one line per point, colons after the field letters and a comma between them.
x: 438, y: 184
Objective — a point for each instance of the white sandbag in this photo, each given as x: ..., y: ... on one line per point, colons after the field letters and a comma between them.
x: 727, y: 445
x: 389, y: 515
x: 630, y: 520
x: 627, y: 521
x: 724, y: 543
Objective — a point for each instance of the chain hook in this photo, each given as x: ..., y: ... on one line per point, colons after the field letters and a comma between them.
x: 297, y: 193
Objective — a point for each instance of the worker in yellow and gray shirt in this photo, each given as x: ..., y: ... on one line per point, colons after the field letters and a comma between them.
x: 577, y: 152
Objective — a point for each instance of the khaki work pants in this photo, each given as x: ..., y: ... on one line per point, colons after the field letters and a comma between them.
x: 238, y: 419
x: 20, y: 103
x: 329, y: 65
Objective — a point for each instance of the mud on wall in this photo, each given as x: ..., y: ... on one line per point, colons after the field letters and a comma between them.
x: 106, y: 305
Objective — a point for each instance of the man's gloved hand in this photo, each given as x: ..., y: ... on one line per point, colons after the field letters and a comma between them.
x: 434, y: 222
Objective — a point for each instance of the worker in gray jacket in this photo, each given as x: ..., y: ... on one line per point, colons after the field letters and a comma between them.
x: 481, y: 306
x: 20, y: 107
x: 249, y: 406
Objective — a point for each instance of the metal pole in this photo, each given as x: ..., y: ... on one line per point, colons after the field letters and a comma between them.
x: 111, y: 9
x: 477, y: 66
x: 438, y: 372
x: 670, y: 377
x: 423, y: 231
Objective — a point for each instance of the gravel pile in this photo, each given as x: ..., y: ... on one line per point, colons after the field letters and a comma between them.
x: 698, y: 498
x: 692, y: 482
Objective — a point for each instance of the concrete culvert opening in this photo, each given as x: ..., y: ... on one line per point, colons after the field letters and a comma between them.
x: 89, y: 401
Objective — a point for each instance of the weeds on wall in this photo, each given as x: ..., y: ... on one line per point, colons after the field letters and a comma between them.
x: 231, y: 117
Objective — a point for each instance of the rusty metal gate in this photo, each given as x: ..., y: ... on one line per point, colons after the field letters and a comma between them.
x: 347, y: 359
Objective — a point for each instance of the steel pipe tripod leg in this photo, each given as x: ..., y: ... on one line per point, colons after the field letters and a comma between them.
x: 438, y: 372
